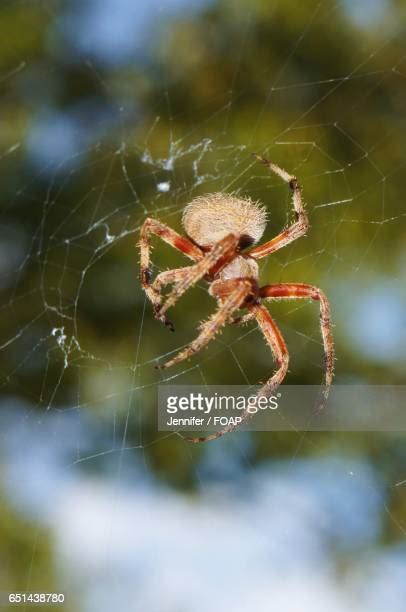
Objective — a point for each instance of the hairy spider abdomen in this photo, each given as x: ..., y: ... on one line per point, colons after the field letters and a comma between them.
x: 209, y: 218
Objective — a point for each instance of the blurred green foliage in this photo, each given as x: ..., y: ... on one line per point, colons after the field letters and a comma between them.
x: 24, y: 546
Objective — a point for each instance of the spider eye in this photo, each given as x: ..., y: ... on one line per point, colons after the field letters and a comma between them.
x: 245, y: 241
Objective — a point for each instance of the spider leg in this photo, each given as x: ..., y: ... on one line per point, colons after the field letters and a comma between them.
x: 213, y: 261
x: 165, y: 278
x: 275, y: 340
x: 301, y: 290
x: 246, y: 318
x: 242, y: 288
x: 154, y: 227
x: 298, y: 229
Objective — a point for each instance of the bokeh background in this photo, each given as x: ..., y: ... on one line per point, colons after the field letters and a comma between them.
x: 114, y: 110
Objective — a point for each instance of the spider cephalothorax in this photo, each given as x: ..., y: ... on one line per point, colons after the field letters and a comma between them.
x: 219, y: 227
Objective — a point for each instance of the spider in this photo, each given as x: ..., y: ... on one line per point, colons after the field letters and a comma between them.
x: 221, y: 231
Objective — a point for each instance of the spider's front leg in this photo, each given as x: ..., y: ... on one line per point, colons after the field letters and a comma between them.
x: 291, y: 233
x: 168, y: 277
x: 152, y: 227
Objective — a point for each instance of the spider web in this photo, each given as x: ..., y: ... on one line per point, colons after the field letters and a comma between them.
x: 79, y: 341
